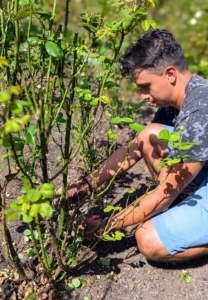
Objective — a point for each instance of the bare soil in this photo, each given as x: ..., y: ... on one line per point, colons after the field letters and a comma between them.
x: 132, y: 276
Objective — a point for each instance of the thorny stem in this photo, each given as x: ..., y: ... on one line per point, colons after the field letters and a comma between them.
x: 66, y: 17
x: 35, y: 246
x: 9, y: 251
x: 67, y: 142
x: 56, y: 248
x: 42, y: 245
x: 18, y: 162
x: 117, y: 172
x: 17, y: 42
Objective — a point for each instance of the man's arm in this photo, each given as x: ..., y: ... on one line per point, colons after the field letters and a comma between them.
x: 109, y: 168
x: 160, y: 199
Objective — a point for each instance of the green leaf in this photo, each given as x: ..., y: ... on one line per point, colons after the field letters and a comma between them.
x: 44, y: 14
x: 79, y: 240
x: 24, y: 2
x: 69, y: 287
x: 23, y: 120
x: 185, y: 278
x: 16, y: 108
x: 15, y: 205
x: 104, y: 99
x: 47, y: 190
x: 29, y: 138
x: 46, y: 210
x: 5, y: 96
x: 53, y: 50
x: 111, y: 207
x: 16, y: 90
x: 105, y: 261
x: 72, y: 261
x: 76, y: 282
x: 12, y: 214
x: 140, y: 11
x: 127, y: 21
x: 163, y: 135
x: 94, y: 102
x: 146, y: 25
x: 12, y: 126
x: 33, y: 41
x: 34, y: 210
x: 174, y: 136
x: 34, y: 195
x: 138, y: 106
x: 152, y: 3
x: 31, y: 296
x: 26, y: 218
x: 27, y: 232
x: 3, y: 62
x: 107, y: 237
x: 137, y: 127
x: 22, y: 14
x: 153, y: 24
x: 108, y: 208
x: 18, y: 144
x: 70, y: 249
x: 119, y: 235
x: 131, y: 191
x: 112, y: 135
x: 107, y: 113
x: 119, y: 120
x: 86, y: 298
x: 117, y: 3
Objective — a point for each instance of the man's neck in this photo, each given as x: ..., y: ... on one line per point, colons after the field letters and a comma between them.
x: 183, y: 80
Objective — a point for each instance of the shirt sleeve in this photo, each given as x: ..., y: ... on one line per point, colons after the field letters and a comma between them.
x: 195, y: 130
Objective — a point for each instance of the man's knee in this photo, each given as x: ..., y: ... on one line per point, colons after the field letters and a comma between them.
x: 149, y: 243
x: 148, y: 139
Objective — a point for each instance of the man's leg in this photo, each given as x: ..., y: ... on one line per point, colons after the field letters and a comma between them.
x: 151, y: 247
x: 146, y: 145
x: 181, y: 232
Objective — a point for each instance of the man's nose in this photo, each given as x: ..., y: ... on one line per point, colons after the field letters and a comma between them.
x: 145, y: 96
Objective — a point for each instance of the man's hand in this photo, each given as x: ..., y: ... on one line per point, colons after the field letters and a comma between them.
x: 94, y: 228
x: 76, y: 191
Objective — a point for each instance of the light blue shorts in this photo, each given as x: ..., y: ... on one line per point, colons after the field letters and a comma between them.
x: 185, y: 225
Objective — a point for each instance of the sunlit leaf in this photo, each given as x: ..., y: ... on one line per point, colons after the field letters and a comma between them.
x: 3, y: 62
x: 47, y: 190
x: 12, y: 126
x: 146, y: 25
x: 46, y: 210
x: 137, y: 127
x: 76, y: 282
x: 16, y: 90
x: 119, y: 120
x: 163, y: 135
x: 5, y: 96
x: 34, y: 195
x: 16, y: 108
x: 24, y: 119
x: 174, y: 136
x: 12, y: 214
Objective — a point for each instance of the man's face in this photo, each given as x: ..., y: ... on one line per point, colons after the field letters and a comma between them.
x: 156, y: 89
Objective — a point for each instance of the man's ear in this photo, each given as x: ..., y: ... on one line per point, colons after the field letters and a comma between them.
x: 171, y: 74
